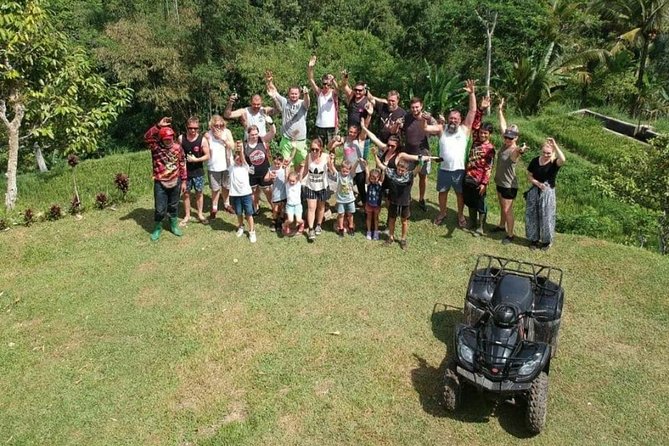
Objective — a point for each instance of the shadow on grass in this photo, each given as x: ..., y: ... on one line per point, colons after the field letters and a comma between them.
x: 143, y: 217
x: 475, y: 406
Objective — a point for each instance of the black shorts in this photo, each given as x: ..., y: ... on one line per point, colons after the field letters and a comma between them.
x: 320, y: 195
x: 256, y: 180
x: 395, y: 210
x: 508, y: 193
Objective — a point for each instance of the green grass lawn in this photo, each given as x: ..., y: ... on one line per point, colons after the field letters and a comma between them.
x: 107, y: 338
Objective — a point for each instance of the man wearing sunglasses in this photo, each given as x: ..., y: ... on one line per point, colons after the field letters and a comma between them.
x: 327, y: 105
x: 356, y: 100
x: 196, y: 151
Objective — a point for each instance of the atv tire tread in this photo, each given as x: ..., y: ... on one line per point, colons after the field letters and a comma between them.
x: 451, y: 387
x: 537, y: 401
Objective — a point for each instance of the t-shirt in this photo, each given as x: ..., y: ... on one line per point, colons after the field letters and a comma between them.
x: 279, y: 186
x: 400, y: 187
x: 293, y: 193
x: 344, y: 187
x: 453, y: 149
x: 414, y: 135
x: 317, y: 174
x: 293, y: 118
x: 356, y: 111
x: 239, y: 180
x: 374, y: 194
x: 546, y: 173
x: 353, y: 151
x: 387, y: 119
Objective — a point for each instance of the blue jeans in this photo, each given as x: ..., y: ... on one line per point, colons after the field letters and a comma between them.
x: 242, y: 205
x: 166, y: 200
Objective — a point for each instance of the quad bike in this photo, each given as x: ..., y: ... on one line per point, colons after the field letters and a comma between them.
x: 512, y: 318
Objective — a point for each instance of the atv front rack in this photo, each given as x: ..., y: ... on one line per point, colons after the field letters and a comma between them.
x: 547, y: 279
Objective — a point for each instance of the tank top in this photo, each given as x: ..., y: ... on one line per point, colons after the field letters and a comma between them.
x: 193, y: 148
x: 279, y: 187
x: 356, y: 111
x: 258, y: 120
x: 505, y: 175
x: 327, y: 111
x: 218, y: 162
x: 453, y: 149
x: 317, y: 178
x: 257, y: 159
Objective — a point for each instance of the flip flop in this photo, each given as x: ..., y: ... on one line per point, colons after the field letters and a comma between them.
x: 462, y: 222
x: 203, y: 220
x: 439, y: 220
x: 183, y: 223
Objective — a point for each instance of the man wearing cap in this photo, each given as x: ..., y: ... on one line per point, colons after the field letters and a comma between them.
x: 454, y: 141
x: 169, y: 175
x: 327, y: 105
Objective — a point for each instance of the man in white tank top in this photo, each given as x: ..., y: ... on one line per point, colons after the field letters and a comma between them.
x: 454, y: 140
x: 327, y: 120
x: 254, y: 114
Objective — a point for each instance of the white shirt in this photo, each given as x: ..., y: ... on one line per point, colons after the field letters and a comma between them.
x: 327, y: 112
x: 239, y: 180
x: 294, y: 193
x: 218, y: 162
x: 452, y: 148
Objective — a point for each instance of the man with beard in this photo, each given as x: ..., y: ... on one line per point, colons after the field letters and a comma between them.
x: 454, y: 141
x: 327, y: 105
x: 389, y: 112
x: 356, y: 100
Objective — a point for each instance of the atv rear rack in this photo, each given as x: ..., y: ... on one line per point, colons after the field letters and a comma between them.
x: 547, y: 279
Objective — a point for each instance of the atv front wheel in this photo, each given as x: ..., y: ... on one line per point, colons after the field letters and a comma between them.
x: 451, y: 387
x: 537, y: 401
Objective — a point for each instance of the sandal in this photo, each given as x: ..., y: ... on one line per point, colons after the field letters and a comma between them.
x: 229, y: 209
x: 183, y: 223
x: 203, y: 220
x: 462, y: 222
x: 439, y: 219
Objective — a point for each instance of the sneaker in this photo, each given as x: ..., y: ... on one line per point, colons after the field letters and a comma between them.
x: 300, y: 228
x: 545, y: 246
x: 318, y: 230
x: 403, y: 245
x: 534, y: 245
x: 506, y: 240
x: 311, y: 235
x: 351, y: 232
x: 252, y: 236
x: 497, y: 229
x: 376, y: 235
x: 369, y: 235
x: 340, y: 232
x: 422, y: 205
x: 240, y: 231
x: 389, y: 242
x: 212, y: 214
x: 286, y: 230
x: 274, y: 226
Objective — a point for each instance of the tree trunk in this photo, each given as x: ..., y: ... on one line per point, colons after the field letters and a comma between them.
x: 489, y: 31
x: 13, y: 136
x: 639, y: 81
x: 39, y: 158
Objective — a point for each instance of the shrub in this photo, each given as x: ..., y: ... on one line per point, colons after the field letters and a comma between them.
x: 122, y: 182
x: 54, y: 213
x: 101, y: 200
x: 28, y: 217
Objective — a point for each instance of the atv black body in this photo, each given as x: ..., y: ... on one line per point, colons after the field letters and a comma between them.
x: 510, y: 333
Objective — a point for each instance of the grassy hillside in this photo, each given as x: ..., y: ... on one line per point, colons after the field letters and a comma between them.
x: 207, y: 339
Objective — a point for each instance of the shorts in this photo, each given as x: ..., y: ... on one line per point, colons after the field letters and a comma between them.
x: 372, y: 209
x: 450, y: 178
x: 243, y: 204
x: 395, y: 210
x: 508, y: 193
x: 325, y: 134
x: 279, y: 202
x: 196, y: 183
x: 346, y: 208
x: 218, y: 180
x: 294, y: 210
x: 258, y: 180
x: 286, y: 148
x: 320, y: 195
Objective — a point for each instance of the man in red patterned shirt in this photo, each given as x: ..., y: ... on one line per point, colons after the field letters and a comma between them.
x: 477, y: 170
x: 169, y: 175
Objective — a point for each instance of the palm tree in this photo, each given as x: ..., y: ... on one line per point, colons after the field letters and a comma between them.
x: 641, y: 21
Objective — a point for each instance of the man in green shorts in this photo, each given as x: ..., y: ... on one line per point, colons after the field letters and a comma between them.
x: 293, y: 118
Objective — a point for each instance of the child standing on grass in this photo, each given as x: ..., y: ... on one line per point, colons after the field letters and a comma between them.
x: 277, y: 176
x: 400, y: 182
x: 293, y: 201
x: 345, y: 196
x: 373, y: 205
x: 241, y: 194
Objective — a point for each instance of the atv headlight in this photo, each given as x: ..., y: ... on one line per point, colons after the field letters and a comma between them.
x: 465, y: 353
x: 530, y: 366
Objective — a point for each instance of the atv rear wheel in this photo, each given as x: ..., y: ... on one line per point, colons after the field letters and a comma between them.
x: 451, y: 387
x: 537, y: 401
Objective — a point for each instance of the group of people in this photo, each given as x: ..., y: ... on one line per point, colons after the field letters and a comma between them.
x: 304, y: 171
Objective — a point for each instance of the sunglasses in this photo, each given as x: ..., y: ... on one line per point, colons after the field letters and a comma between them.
x: 193, y: 128
x: 315, y: 150
x: 219, y: 126
x: 359, y: 90
x: 391, y: 146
